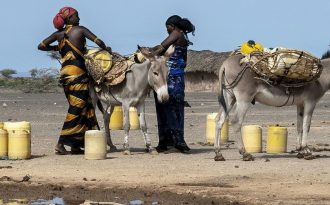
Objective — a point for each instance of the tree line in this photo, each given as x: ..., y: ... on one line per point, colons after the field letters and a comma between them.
x: 40, y: 80
x: 35, y: 72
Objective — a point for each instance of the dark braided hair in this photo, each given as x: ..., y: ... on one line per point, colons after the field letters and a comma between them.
x: 182, y: 23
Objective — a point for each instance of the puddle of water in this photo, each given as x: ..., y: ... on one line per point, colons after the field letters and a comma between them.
x: 55, y: 201
x: 61, y: 201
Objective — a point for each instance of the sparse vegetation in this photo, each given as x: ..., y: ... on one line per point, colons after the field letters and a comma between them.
x: 7, y: 73
x: 41, y: 80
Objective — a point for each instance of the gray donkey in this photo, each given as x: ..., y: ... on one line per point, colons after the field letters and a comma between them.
x: 239, y: 89
x: 151, y: 74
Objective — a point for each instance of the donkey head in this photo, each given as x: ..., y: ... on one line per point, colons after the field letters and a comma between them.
x: 158, y: 72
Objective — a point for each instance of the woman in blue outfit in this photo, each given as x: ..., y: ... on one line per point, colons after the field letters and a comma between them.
x: 170, y: 115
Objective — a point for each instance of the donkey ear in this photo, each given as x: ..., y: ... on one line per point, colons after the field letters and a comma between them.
x: 169, y: 51
x: 147, y: 53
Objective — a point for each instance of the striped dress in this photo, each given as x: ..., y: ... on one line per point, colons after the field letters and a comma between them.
x: 74, y: 79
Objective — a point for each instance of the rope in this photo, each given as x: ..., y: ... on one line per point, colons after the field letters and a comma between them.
x: 111, y: 96
x: 237, y: 79
x: 287, y: 100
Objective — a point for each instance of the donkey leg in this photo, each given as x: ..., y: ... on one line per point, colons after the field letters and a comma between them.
x: 241, y: 110
x: 106, y: 119
x: 308, y: 112
x: 217, y: 150
x: 300, y: 114
x: 144, y: 130
x: 221, y: 117
x: 126, y: 129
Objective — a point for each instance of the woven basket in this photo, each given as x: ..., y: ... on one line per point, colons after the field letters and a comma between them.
x: 286, y: 66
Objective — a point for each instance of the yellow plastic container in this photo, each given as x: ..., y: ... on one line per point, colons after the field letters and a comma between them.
x: 19, y: 139
x: 19, y: 144
x: 3, y: 143
x: 103, y: 57
x: 247, y: 48
x: 133, y: 119
x: 95, y: 144
x: 116, y: 119
x: 1, y: 125
x: 23, y: 125
x: 277, y: 139
x: 210, y: 129
x: 139, y: 57
x: 252, y: 138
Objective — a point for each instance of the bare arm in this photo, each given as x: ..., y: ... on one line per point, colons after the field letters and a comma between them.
x: 92, y: 37
x: 170, y: 40
x: 45, y: 44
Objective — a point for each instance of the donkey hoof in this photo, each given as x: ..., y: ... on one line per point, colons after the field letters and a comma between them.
x: 219, y: 157
x: 242, y: 151
x: 127, y: 152
x: 113, y: 149
x: 248, y: 157
x: 309, y: 156
x: 300, y: 155
x: 153, y: 152
x: 149, y: 150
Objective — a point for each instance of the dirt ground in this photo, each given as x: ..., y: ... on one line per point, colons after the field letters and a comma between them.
x: 172, y: 178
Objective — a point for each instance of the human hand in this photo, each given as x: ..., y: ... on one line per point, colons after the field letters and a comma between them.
x: 109, y: 49
x: 157, y: 50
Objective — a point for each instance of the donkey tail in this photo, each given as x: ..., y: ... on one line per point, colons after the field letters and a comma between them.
x: 221, y: 97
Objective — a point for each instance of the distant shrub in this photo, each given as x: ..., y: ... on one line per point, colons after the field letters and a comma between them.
x: 7, y: 73
x: 44, y: 73
x: 41, y: 81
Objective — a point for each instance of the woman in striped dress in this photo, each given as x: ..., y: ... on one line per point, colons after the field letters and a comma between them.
x: 71, y: 38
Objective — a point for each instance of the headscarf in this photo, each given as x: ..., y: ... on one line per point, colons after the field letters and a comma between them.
x: 59, y: 19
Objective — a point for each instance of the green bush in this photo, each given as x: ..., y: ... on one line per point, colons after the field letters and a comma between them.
x: 31, y: 85
x: 7, y: 73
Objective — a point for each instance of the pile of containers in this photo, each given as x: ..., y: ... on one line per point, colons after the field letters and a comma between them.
x: 251, y: 135
x: 276, y: 139
x: 15, y: 140
x: 116, y: 119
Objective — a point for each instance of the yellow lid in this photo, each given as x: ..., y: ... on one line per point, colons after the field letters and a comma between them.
x: 247, y: 48
x: 212, y: 116
x: 117, y: 108
x: 23, y: 125
x: 139, y: 57
x: 103, y: 57
x: 3, y: 131
x: 132, y: 109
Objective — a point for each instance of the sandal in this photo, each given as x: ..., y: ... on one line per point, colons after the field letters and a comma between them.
x: 161, y: 148
x: 60, y: 150
x: 182, y: 147
x: 77, y: 150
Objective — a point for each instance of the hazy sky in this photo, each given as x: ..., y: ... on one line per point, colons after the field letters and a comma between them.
x: 122, y: 24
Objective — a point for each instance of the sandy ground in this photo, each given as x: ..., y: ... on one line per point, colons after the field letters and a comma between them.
x: 173, y: 178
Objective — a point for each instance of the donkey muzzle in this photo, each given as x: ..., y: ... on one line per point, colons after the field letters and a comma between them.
x: 162, y: 94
